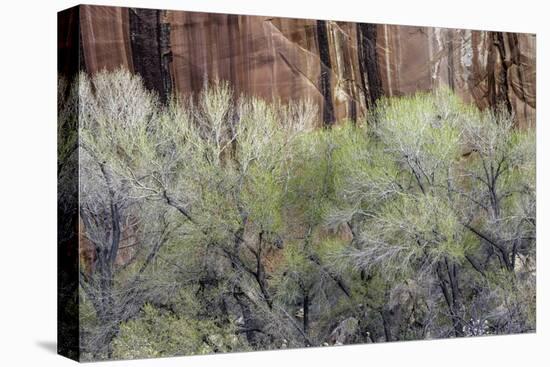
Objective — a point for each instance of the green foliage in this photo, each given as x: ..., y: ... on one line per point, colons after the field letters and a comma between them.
x: 252, y: 230
x: 159, y: 334
x: 310, y: 192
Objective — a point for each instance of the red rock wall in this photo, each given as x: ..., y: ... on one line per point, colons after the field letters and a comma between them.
x: 342, y: 66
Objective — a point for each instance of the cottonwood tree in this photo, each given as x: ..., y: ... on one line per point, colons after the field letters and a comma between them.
x: 236, y: 220
x: 114, y: 217
x: 214, y: 166
x: 306, y: 281
x: 428, y: 186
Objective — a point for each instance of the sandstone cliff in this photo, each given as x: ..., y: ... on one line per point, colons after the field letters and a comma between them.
x: 342, y: 66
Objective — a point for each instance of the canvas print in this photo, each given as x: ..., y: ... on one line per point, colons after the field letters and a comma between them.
x: 232, y: 183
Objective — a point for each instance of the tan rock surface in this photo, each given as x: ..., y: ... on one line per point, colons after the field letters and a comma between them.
x: 342, y: 66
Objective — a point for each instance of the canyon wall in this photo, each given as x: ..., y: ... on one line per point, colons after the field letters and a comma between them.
x: 342, y: 66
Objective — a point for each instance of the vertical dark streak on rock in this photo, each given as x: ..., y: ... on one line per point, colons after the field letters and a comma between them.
x: 368, y: 63
x: 232, y: 19
x: 68, y: 42
x: 515, y: 56
x: 491, y: 66
x: 151, y: 55
x: 81, y: 60
x: 352, y: 113
x: 195, y: 74
x: 500, y: 86
x: 516, y: 60
x: 165, y: 52
x: 450, y: 59
x: 476, y: 35
x: 324, y: 55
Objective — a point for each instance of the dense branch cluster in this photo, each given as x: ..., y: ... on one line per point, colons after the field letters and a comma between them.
x: 221, y: 223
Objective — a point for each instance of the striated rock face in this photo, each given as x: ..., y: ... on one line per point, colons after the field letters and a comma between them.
x: 342, y: 66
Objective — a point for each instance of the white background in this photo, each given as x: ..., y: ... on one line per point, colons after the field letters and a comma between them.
x: 28, y: 181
